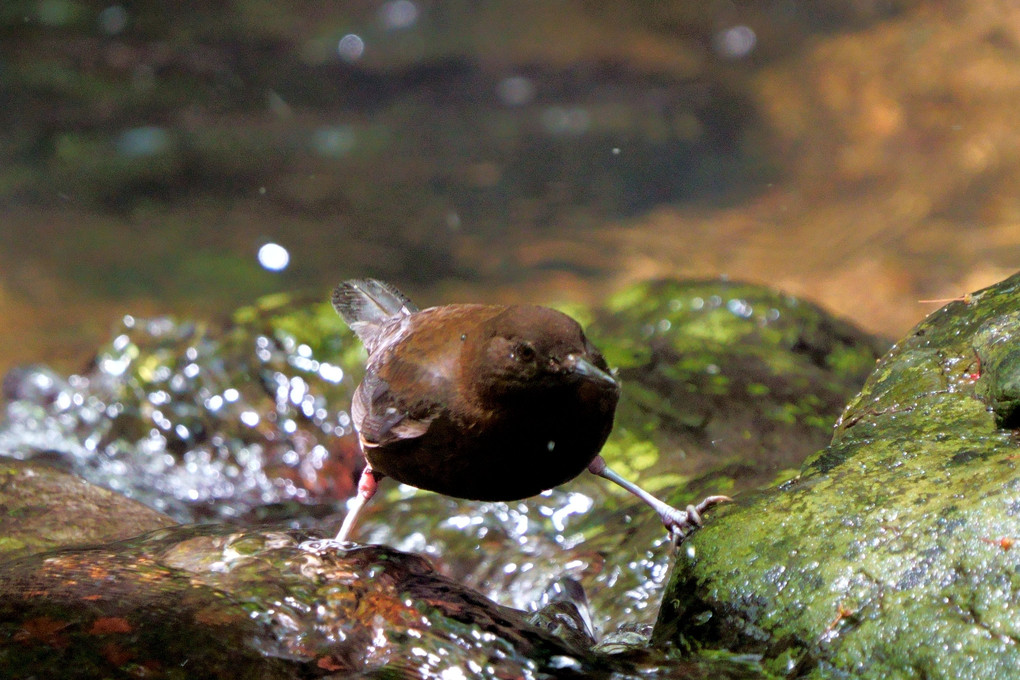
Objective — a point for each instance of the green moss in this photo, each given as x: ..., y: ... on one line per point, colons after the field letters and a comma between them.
x: 10, y: 544
x: 321, y: 328
x: 697, y: 358
x: 622, y: 352
x: 633, y: 300
x: 848, y: 360
x: 882, y: 558
x: 629, y: 453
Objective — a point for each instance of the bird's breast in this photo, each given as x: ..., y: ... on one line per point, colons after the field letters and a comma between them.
x: 501, y: 455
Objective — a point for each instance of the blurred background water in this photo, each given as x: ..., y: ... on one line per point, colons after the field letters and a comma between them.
x: 159, y: 158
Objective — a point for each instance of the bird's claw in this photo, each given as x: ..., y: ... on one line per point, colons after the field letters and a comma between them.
x: 681, y: 523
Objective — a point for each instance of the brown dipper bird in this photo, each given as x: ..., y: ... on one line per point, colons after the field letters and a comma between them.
x: 485, y: 402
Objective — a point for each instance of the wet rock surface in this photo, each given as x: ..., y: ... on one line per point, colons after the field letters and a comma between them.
x: 211, y: 602
x: 726, y: 386
x: 890, y: 555
x: 44, y: 508
x: 214, y: 601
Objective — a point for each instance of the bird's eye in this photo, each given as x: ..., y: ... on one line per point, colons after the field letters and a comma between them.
x: 524, y: 352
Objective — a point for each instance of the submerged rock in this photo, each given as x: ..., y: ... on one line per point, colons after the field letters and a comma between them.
x: 890, y: 555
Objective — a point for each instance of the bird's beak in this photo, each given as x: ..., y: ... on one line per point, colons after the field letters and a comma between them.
x: 581, y: 366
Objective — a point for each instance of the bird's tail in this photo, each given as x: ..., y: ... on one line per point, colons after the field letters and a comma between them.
x: 368, y: 304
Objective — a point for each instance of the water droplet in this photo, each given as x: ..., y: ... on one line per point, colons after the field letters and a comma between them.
x: 114, y: 367
x: 331, y: 373
x: 740, y: 308
x: 452, y: 672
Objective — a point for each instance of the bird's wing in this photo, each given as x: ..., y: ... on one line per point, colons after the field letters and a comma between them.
x: 380, y: 419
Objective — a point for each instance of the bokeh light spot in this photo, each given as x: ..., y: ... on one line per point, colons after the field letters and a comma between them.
x: 351, y: 47
x: 515, y: 90
x: 398, y: 14
x: 274, y: 257
x: 147, y: 140
x: 113, y: 20
x: 735, y: 42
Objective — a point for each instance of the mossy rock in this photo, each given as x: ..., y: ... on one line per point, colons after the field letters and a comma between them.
x: 890, y: 555
x: 725, y: 379
x: 44, y: 508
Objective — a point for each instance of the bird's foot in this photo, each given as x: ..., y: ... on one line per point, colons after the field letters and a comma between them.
x: 681, y: 523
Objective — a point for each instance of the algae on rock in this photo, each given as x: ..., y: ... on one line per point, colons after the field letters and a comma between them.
x: 889, y: 556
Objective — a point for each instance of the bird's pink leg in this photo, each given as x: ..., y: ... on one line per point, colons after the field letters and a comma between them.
x: 679, y: 523
x: 367, y: 486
